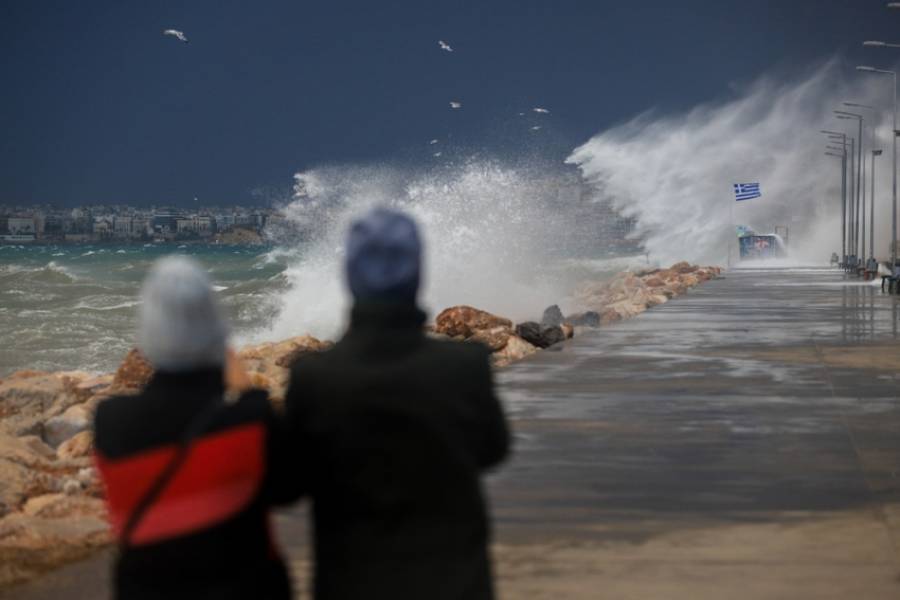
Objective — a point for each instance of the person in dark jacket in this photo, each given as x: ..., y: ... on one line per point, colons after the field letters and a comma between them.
x: 399, y: 427
x: 190, y: 478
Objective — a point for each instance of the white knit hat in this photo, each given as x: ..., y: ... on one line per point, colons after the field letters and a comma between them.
x: 181, y: 326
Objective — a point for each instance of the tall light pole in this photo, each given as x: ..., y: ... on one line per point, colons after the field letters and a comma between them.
x: 858, y: 163
x: 843, y: 138
x: 868, y: 69
x: 834, y: 136
x: 863, y: 196
x: 872, y: 211
x: 843, y: 156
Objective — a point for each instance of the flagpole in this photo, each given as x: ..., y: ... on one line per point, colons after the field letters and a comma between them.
x: 731, y: 232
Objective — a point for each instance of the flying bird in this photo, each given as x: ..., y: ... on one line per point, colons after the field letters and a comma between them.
x: 433, y: 142
x: 176, y: 34
x: 541, y: 110
x: 445, y: 46
x: 536, y: 127
x: 437, y: 154
x: 455, y: 104
x: 521, y: 114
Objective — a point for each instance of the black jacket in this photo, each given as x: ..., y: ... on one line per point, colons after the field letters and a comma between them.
x: 207, y: 534
x: 397, y: 428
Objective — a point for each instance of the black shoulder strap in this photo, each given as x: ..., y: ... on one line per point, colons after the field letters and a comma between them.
x: 195, y: 429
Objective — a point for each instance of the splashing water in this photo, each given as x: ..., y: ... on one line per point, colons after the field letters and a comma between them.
x: 674, y: 174
x: 495, y: 237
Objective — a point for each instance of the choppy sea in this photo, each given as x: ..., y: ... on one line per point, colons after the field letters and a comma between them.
x: 74, y: 307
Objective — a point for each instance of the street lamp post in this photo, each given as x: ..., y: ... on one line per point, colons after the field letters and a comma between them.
x: 871, y: 254
x: 843, y: 157
x: 843, y: 139
x: 893, y: 150
x: 856, y: 162
x: 872, y: 209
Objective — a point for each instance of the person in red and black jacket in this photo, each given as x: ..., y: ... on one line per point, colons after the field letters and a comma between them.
x: 190, y: 477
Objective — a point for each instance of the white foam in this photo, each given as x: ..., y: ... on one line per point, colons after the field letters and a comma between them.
x: 487, y: 230
x: 675, y: 173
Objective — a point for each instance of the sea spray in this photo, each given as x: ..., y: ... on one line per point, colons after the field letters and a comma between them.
x: 496, y: 237
x: 674, y: 173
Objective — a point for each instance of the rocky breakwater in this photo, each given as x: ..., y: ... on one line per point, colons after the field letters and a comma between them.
x: 51, y: 506
x: 629, y: 294
x: 626, y: 295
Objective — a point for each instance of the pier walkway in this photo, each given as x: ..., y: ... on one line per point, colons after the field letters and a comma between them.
x: 742, y: 441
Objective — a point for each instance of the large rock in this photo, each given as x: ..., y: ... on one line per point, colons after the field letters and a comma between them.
x: 269, y: 363
x: 516, y: 349
x: 60, y: 428
x: 30, y: 545
x: 683, y: 267
x: 552, y: 317
x: 56, y: 506
x: 495, y: 339
x: 464, y: 321
x: 24, y: 471
x: 79, y: 445
x: 537, y: 335
x: 27, y: 398
x: 134, y: 373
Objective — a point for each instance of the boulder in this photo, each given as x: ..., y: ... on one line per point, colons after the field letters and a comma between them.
x: 495, y: 339
x: 24, y: 472
x: 38, y: 446
x: 55, y: 506
x: 134, y: 373
x: 31, y: 545
x: 94, y: 387
x: 552, y: 317
x: 656, y: 299
x: 302, y: 346
x: 268, y: 364
x: 27, y: 398
x: 465, y: 321
x: 81, y: 444
x: 683, y: 267
x: 586, y: 319
x: 516, y: 349
x: 536, y: 335
x: 60, y: 428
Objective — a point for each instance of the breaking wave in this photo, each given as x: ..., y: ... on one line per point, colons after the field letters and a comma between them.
x: 494, y: 237
x: 674, y: 173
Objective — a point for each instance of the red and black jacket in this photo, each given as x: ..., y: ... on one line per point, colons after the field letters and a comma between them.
x: 207, y: 533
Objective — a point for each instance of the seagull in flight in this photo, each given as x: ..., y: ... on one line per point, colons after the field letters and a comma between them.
x: 433, y: 142
x: 437, y: 154
x: 445, y: 46
x: 541, y: 110
x: 536, y: 127
x: 455, y: 104
x: 179, y: 35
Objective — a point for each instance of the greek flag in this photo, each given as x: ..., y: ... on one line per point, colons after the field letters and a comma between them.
x: 746, y: 191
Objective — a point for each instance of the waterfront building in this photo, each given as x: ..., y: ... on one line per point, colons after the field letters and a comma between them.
x: 20, y: 226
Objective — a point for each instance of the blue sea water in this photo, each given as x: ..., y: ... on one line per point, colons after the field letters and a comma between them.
x: 74, y: 306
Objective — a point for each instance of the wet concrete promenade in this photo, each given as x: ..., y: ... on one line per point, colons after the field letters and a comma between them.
x: 742, y: 441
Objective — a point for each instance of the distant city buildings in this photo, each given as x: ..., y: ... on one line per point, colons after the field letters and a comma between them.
x: 123, y: 223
